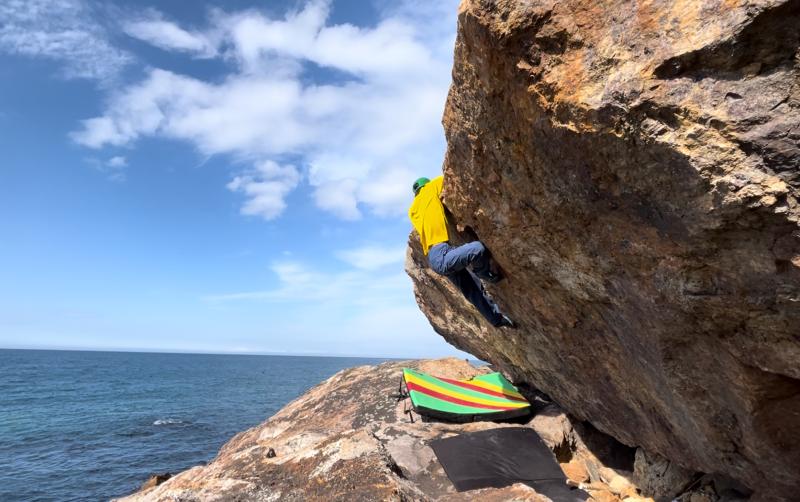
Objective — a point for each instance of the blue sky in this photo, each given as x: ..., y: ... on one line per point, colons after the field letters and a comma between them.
x: 218, y: 176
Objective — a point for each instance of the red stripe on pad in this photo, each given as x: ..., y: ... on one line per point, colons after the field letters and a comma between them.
x: 482, y: 390
x: 438, y: 395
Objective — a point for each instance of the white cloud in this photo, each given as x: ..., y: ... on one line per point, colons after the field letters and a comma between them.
x: 257, y: 39
x: 362, y: 135
x: 62, y: 30
x: 113, y: 168
x: 338, y: 197
x: 389, y: 49
x: 373, y: 257
x: 117, y: 162
x: 354, y: 287
x: 266, y: 187
x: 389, y: 189
x: 352, y: 311
x: 169, y: 36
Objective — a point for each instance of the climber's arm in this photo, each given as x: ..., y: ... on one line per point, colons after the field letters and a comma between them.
x: 437, y: 183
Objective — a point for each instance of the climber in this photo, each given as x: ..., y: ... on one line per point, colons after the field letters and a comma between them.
x: 429, y: 219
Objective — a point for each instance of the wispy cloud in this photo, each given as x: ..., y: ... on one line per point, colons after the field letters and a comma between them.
x: 361, y: 136
x: 354, y: 310
x: 117, y: 162
x: 113, y: 168
x: 266, y: 187
x: 299, y: 283
x: 64, y: 31
x: 373, y: 256
x: 157, y: 31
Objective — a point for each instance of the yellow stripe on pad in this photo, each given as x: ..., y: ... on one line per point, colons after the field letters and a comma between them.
x: 423, y: 383
x: 493, y: 387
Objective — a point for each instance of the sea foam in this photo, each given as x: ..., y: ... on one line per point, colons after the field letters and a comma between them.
x: 167, y: 421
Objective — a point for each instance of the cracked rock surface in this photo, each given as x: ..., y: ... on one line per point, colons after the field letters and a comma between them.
x: 634, y: 168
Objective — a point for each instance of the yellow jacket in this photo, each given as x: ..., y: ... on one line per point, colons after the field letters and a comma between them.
x: 427, y: 215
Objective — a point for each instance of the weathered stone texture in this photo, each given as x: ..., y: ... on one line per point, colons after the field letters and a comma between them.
x: 634, y: 167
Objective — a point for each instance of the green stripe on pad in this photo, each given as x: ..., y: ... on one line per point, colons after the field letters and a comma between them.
x: 500, y: 401
x: 434, y: 403
x: 499, y: 380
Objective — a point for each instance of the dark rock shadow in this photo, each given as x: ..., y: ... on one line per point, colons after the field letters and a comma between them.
x: 608, y: 450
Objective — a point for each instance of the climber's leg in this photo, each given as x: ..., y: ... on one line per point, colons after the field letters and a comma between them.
x: 471, y: 287
x: 436, y: 258
x: 449, y: 259
x: 443, y: 261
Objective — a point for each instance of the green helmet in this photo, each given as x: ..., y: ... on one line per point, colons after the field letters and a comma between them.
x: 419, y: 184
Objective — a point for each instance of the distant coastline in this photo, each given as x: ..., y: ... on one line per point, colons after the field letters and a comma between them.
x: 191, y: 352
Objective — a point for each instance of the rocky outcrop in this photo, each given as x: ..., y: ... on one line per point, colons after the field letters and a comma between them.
x: 350, y: 439
x: 634, y: 168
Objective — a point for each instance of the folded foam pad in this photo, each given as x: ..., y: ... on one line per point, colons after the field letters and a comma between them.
x: 485, y: 397
x: 501, y: 457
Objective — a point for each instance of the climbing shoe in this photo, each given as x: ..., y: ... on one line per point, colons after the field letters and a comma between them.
x: 506, y: 322
x: 493, y: 277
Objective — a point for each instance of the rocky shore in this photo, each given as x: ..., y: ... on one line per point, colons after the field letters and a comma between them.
x: 350, y: 439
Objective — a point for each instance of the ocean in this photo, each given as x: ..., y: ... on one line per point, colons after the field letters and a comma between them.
x: 95, y: 425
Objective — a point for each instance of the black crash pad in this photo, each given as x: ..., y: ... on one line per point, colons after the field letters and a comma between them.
x: 501, y: 457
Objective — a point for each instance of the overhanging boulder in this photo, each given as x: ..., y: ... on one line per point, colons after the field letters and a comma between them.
x: 634, y: 168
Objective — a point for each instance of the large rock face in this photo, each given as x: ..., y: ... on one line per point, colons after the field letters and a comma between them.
x: 634, y: 168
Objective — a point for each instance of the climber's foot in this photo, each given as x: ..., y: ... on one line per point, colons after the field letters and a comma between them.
x: 493, y: 277
x: 506, y: 322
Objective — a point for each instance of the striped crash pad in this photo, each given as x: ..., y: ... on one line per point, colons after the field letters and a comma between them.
x: 485, y: 397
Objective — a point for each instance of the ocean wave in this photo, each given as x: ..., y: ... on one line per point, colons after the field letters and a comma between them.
x: 168, y: 421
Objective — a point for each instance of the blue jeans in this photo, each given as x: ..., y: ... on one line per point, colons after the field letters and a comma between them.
x: 453, y: 262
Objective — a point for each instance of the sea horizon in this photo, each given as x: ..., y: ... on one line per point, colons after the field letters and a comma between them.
x: 214, y: 353
x: 91, y: 424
